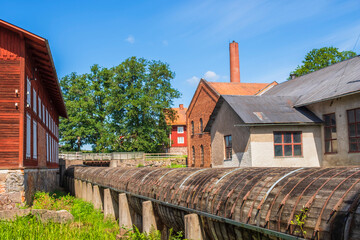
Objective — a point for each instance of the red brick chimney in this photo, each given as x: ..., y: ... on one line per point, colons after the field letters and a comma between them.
x: 181, y: 106
x: 234, y: 62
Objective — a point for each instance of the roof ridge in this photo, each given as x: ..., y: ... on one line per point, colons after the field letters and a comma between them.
x: 322, y: 68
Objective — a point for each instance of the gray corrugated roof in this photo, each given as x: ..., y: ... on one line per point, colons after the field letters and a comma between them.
x: 265, y: 110
x: 328, y: 83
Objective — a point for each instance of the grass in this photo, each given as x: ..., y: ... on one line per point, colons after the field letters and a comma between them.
x: 173, y: 165
x: 88, y: 222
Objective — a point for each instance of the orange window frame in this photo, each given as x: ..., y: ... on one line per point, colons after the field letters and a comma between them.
x: 292, y: 144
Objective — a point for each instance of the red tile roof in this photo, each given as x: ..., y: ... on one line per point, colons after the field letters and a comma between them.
x: 181, y: 116
x: 227, y: 88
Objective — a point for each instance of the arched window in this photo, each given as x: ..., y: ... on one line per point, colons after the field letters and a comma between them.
x: 202, y: 155
x: 193, y: 154
x: 201, y: 126
x: 192, y: 128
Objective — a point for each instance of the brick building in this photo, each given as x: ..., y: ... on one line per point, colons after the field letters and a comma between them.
x: 178, y: 135
x: 30, y: 105
x: 203, y: 103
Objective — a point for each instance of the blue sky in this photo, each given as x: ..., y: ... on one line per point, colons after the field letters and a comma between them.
x: 191, y: 36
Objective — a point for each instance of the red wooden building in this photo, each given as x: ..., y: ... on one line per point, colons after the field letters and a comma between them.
x: 178, y: 136
x: 30, y: 101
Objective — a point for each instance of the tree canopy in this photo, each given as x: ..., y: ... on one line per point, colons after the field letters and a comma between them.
x: 119, y: 108
x: 320, y: 58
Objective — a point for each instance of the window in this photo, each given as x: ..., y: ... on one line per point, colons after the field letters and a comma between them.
x: 180, y: 129
x: 228, y: 147
x: 28, y: 92
x: 43, y: 112
x: 34, y: 101
x: 180, y: 140
x: 287, y: 144
x: 201, y: 126
x: 28, y: 136
x: 47, y: 118
x: 34, y: 139
x: 56, y: 152
x: 193, y: 154
x: 330, y: 133
x: 192, y: 128
x: 354, y: 129
x: 202, y: 155
x: 39, y: 102
x: 47, y: 147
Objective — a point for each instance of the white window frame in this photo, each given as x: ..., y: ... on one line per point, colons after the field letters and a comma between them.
x: 28, y: 135
x: 182, y: 140
x: 47, y: 147
x: 43, y: 112
x: 28, y: 92
x: 180, y: 129
x: 47, y: 118
x: 34, y: 101
x: 39, y: 103
x: 34, y: 139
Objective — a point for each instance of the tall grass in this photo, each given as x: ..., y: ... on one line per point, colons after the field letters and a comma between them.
x: 89, y: 223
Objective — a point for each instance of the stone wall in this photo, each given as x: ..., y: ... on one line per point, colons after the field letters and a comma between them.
x: 179, y: 150
x: 17, y: 187
x: 149, y: 163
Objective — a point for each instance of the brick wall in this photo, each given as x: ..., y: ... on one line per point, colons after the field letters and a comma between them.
x: 201, y: 107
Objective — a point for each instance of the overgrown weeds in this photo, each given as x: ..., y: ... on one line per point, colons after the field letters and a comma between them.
x: 88, y: 223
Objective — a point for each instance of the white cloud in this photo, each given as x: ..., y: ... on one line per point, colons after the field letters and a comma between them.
x: 194, y: 80
x: 211, y: 76
x: 130, y: 39
x: 208, y: 76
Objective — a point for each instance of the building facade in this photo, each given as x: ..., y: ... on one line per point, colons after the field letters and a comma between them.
x: 178, y: 135
x: 203, y: 103
x: 30, y: 105
x: 310, y: 121
x: 199, y: 111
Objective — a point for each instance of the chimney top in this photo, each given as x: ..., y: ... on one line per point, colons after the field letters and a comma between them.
x: 181, y: 106
x: 234, y: 62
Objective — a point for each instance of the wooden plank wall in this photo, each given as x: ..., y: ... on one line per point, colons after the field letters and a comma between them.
x: 40, y: 87
x: 10, y: 72
x: 18, y: 61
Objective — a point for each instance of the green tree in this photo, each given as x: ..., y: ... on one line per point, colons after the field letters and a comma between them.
x: 75, y: 130
x: 140, y: 93
x: 119, y: 109
x: 320, y: 58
